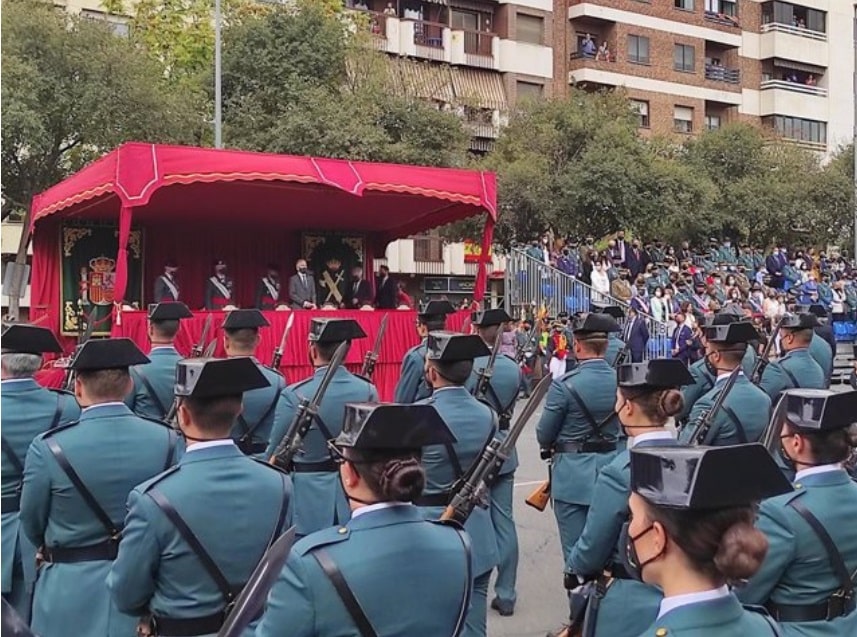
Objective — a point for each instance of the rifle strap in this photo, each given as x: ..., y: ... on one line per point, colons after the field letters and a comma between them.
x: 113, y: 530
x: 57, y: 412
x: 739, y: 427
x: 171, y: 450
x: 352, y: 605
x: 12, y: 456
x: 791, y: 377
x: 846, y: 584
x: 575, y: 396
x: 250, y: 429
x: 150, y: 391
x: 468, y: 586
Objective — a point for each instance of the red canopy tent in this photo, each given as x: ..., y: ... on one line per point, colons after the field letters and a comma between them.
x: 195, y: 204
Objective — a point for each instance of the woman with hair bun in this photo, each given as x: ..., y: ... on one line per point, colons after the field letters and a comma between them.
x: 647, y: 398
x: 691, y: 534
x: 388, y: 571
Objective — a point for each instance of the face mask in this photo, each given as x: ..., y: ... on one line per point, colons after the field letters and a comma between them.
x: 355, y: 277
x: 709, y: 365
x: 785, y: 457
x: 302, y: 270
x: 629, y: 558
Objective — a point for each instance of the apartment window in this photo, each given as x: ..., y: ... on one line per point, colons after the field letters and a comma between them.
x: 795, y: 16
x: 722, y: 7
x: 638, y: 49
x: 118, y: 25
x: 528, y: 90
x: 530, y: 28
x: 428, y: 248
x: 712, y: 122
x: 467, y: 20
x: 683, y: 119
x: 683, y: 58
x: 641, y: 108
x: 798, y: 129
x: 687, y: 5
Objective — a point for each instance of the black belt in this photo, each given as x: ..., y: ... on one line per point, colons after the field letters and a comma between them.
x: 11, y: 503
x: 595, y: 446
x: 250, y: 448
x: 835, y: 606
x: 617, y: 571
x: 504, y: 424
x: 326, y: 466
x: 103, y: 551
x: 188, y: 627
x: 433, y: 499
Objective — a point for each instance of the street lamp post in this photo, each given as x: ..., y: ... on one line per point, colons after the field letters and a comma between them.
x: 854, y: 141
x: 218, y: 93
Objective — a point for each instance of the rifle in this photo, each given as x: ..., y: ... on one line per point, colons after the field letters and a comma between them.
x: 285, y: 452
x: 621, y: 356
x: 522, y: 347
x: 83, y: 335
x: 197, y: 350
x: 278, y: 351
x: 540, y: 497
x: 763, y: 360
x: 372, y: 355
x: 472, y: 491
x: 483, y: 381
x: 703, y: 424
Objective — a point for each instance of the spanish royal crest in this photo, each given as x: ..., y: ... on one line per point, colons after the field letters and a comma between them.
x: 100, y: 280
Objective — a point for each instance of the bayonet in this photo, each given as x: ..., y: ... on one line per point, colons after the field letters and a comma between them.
x: 372, y: 355
x: 197, y: 351
x: 277, y: 358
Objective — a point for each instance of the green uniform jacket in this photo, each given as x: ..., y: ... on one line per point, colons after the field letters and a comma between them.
x: 574, y: 474
x: 409, y: 575
x: 257, y: 417
x: 234, y: 505
x: 614, y: 347
x: 161, y: 375
x: 722, y: 617
x: 796, y: 369
x: 746, y: 405
x: 319, y: 499
x: 796, y: 569
x: 821, y: 353
x: 412, y: 384
x: 704, y: 380
x: 112, y: 450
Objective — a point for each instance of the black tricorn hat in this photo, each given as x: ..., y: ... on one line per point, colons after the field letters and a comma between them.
x: 819, y: 310
x: 736, y: 332
x: 593, y: 323
x: 450, y: 347
x: 611, y: 310
x: 392, y: 426
x: 244, y: 319
x: 799, y: 321
x: 107, y: 353
x: 659, y: 373
x: 168, y: 311
x: 330, y: 330
x: 436, y: 311
x: 215, y: 377
x: 722, y: 318
x: 489, y: 318
x: 706, y: 477
x: 20, y: 338
x: 820, y: 409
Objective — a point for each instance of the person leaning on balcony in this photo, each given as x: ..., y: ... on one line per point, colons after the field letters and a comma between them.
x: 603, y: 54
x: 810, y: 80
x: 587, y: 47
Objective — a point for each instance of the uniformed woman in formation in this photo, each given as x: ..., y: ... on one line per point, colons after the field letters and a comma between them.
x: 646, y: 398
x: 691, y: 534
x: 388, y: 571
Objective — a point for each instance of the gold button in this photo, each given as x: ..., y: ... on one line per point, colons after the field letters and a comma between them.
x: 661, y: 632
x: 342, y: 530
x: 798, y: 485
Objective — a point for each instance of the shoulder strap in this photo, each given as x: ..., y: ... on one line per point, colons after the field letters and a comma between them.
x: 468, y: 586
x: 171, y: 450
x: 250, y: 429
x: 113, y: 530
x: 791, y: 376
x: 11, y: 455
x: 331, y: 570
x: 151, y: 391
x: 586, y: 413
x: 739, y: 427
x: 57, y: 412
x: 840, y: 570
x: 196, y: 546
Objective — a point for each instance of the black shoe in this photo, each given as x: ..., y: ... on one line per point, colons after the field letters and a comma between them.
x: 506, y: 609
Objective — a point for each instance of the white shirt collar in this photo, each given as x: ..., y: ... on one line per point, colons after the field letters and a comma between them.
x: 800, y: 475
x: 18, y: 380
x: 650, y: 435
x: 110, y: 404
x: 439, y: 389
x: 198, y: 446
x: 377, y: 507
x: 726, y: 375
x: 671, y: 603
x: 154, y: 347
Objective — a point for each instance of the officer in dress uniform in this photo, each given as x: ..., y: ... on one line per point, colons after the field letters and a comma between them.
x: 268, y: 290
x: 646, y: 398
x: 746, y: 410
x: 615, y: 344
x: 797, y: 368
x: 408, y: 575
x: 252, y: 429
x: 195, y: 533
x: 820, y: 350
x: 166, y: 285
x: 219, y: 293
x: 449, y: 364
x: 501, y: 396
x: 412, y: 384
x: 319, y: 499
x: 28, y: 410
x: 691, y: 532
x: 806, y: 579
x: 579, y: 426
x: 76, y: 481
x: 152, y: 395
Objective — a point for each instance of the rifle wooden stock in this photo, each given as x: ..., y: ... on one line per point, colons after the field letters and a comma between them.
x: 540, y: 497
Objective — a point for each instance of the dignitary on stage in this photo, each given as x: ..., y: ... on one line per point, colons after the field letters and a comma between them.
x: 408, y: 575
x: 152, y: 394
x: 358, y: 293
x: 302, y: 288
x: 268, y: 289
x: 76, y: 482
x: 194, y: 533
x: 219, y: 292
x: 166, y: 285
x: 28, y: 410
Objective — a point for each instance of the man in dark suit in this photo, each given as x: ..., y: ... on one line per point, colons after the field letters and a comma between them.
x: 385, y: 290
x: 636, y: 260
x: 359, y: 290
x: 682, y: 340
x: 166, y: 285
x: 302, y: 288
x: 636, y: 335
x: 774, y: 265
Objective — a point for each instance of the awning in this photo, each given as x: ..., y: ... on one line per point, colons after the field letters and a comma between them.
x: 480, y: 88
x: 799, y: 66
x: 449, y: 84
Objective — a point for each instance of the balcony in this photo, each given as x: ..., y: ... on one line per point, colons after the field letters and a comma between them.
x: 777, y: 97
x: 717, y: 73
x: 428, y: 38
x: 794, y: 87
x: 478, y: 48
x: 722, y: 19
x: 793, y: 43
x: 484, y: 130
x: 578, y: 60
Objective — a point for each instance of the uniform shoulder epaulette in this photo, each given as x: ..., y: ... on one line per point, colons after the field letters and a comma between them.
x: 61, y: 391
x: 299, y: 384
x: 58, y: 428
x: 363, y: 378
x: 333, y: 535
x: 157, y: 421
x: 268, y: 465
x: 569, y: 374
x: 151, y: 482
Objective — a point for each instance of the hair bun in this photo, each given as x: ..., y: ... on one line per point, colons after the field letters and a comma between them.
x: 741, y: 552
x: 671, y: 403
x: 402, y: 480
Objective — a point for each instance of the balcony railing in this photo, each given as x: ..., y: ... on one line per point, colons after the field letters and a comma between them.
x: 428, y: 249
x: 722, y: 18
x: 579, y: 55
x: 483, y: 129
x: 778, y: 27
x: 428, y: 38
x: 795, y: 87
x: 718, y: 73
x: 477, y: 48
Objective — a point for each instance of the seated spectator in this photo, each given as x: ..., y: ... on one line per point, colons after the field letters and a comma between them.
x: 587, y: 47
x: 810, y: 80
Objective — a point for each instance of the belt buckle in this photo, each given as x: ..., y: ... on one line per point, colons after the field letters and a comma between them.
x: 837, y: 604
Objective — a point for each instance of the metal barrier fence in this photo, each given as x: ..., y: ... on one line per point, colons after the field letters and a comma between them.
x: 531, y: 283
